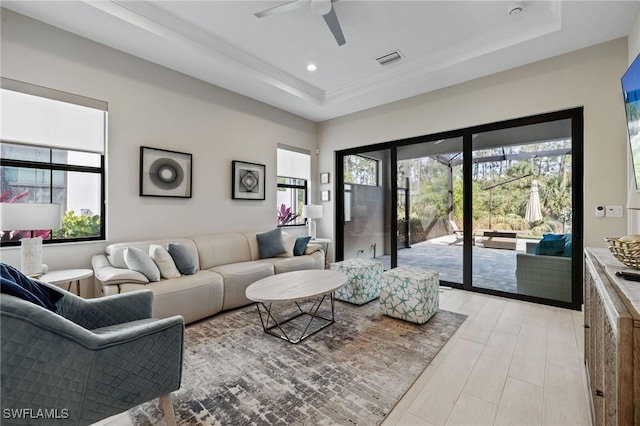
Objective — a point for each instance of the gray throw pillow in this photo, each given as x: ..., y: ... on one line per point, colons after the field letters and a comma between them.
x: 139, y: 261
x: 270, y: 243
x: 183, y: 259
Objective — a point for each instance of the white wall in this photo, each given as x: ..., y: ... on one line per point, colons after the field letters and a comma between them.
x: 589, y: 78
x: 153, y: 106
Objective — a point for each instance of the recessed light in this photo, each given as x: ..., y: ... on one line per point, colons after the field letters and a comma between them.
x: 311, y: 67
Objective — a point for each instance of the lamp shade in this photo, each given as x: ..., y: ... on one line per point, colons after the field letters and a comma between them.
x: 312, y: 211
x: 30, y: 216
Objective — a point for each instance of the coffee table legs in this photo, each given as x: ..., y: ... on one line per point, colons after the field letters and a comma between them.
x: 301, y: 325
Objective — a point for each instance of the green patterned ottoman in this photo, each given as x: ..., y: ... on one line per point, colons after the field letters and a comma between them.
x: 410, y: 294
x: 364, y: 280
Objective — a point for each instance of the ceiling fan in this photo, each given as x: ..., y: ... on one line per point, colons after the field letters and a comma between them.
x: 322, y: 8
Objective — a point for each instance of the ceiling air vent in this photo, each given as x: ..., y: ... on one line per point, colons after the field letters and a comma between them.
x: 389, y: 58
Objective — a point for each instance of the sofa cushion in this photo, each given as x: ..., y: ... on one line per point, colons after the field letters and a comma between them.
x: 237, y: 277
x: 289, y: 264
x: 221, y: 249
x: 164, y: 261
x: 301, y: 245
x: 138, y: 260
x: 185, y: 262
x: 194, y: 296
x: 270, y: 243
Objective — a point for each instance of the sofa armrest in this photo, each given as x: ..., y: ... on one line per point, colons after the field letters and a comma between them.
x: 106, y: 311
x: 110, y: 275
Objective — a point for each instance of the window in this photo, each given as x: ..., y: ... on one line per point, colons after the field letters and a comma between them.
x: 293, y: 175
x: 52, y: 151
x: 360, y: 170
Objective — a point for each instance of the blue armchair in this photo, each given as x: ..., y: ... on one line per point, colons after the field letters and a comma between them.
x: 89, y: 360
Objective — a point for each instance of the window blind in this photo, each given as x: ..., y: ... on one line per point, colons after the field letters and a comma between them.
x: 45, y: 117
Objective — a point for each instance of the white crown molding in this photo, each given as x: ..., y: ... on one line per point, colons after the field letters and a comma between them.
x: 147, y: 17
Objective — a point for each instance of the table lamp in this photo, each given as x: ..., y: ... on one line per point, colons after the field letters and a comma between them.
x: 311, y: 212
x: 30, y: 217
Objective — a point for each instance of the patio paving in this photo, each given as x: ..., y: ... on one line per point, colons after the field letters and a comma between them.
x: 492, y: 268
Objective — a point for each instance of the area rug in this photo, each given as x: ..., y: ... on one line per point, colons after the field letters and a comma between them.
x: 351, y: 373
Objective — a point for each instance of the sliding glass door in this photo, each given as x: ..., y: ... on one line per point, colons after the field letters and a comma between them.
x: 430, y: 213
x: 495, y: 209
x: 522, y: 190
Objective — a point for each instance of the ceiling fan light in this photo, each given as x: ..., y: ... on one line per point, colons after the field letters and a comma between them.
x: 320, y: 7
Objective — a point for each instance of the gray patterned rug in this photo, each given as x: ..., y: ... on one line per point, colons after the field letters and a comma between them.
x: 351, y: 373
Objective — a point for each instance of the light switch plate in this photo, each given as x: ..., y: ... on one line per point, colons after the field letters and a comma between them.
x: 614, y: 211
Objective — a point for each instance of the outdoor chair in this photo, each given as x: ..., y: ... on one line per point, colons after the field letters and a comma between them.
x: 87, y: 359
x: 459, y: 234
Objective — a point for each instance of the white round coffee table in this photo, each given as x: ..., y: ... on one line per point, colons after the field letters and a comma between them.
x: 310, y: 285
x: 67, y: 276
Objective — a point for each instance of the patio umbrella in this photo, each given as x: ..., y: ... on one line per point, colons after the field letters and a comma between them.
x: 533, y: 213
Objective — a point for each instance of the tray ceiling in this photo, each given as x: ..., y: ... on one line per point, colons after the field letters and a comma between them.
x: 441, y: 43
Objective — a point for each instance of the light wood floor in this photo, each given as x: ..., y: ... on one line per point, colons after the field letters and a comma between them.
x: 510, y: 363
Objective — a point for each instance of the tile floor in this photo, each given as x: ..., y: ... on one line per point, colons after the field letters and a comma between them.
x: 510, y: 363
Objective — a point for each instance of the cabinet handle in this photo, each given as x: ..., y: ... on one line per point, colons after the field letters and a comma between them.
x: 598, y: 392
x: 586, y: 326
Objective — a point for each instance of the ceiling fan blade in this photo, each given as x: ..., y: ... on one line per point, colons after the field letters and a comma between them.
x: 287, y: 7
x: 332, y: 21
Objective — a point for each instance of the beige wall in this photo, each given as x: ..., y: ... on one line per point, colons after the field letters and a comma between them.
x: 589, y: 78
x: 154, y: 106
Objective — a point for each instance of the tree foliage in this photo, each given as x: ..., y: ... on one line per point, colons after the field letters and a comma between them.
x: 500, y: 188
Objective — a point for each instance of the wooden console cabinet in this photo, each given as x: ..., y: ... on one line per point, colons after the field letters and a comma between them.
x: 611, y: 340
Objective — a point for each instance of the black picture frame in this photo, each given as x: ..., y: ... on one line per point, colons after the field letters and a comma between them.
x: 165, y: 173
x: 247, y: 180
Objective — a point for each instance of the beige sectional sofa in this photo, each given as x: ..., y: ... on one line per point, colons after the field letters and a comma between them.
x: 227, y: 265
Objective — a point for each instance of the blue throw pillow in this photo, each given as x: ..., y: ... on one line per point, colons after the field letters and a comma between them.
x: 270, y: 243
x: 182, y: 258
x: 551, y: 245
x: 15, y: 283
x: 301, y: 245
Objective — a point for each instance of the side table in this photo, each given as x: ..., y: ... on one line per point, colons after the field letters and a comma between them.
x: 68, y: 277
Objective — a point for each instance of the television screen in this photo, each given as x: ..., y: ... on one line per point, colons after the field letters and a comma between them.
x: 631, y: 93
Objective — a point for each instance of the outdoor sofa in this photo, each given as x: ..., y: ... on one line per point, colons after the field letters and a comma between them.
x: 226, y: 264
x: 547, y: 276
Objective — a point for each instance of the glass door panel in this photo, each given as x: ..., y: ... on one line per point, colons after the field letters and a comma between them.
x: 367, y: 200
x: 430, y: 212
x: 521, y: 190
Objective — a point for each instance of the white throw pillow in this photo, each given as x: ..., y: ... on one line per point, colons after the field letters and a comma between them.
x: 138, y: 260
x: 164, y: 261
x: 289, y: 242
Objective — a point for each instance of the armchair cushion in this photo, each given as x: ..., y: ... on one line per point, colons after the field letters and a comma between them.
x: 17, y: 284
